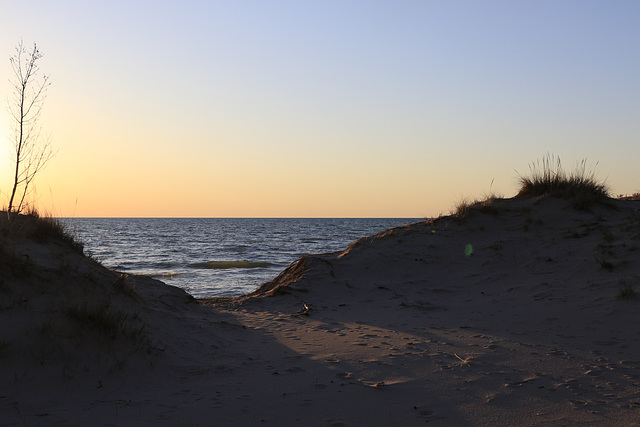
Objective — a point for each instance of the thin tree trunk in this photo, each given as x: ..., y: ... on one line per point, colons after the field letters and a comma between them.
x: 18, y: 153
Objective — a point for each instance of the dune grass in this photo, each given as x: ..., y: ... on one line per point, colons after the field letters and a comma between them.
x: 464, y: 207
x: 627, y: 292
x: 548, y: 178
x: 42, y: 229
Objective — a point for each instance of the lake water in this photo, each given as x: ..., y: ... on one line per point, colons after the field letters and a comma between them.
x: 216, y: 256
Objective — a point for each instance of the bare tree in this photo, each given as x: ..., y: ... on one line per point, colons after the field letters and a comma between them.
x: 31, y: 151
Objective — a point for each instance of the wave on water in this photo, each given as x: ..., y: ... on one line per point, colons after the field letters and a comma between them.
x: 223, y: 265
x: 163, y: 275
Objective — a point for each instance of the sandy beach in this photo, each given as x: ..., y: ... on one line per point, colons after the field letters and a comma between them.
x: 519, y: 311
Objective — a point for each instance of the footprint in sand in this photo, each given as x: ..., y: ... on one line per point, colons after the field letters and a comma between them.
x: 425, y: 414
x: 521, y: 382
x: 578, y: 402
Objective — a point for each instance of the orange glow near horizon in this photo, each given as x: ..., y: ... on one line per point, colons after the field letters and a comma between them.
x: 321, y: 110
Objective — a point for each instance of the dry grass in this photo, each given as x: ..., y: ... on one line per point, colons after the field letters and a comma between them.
x: 464, y: 206
x: 42, y: 229
x: 548, y: 178
x: 627, y: 292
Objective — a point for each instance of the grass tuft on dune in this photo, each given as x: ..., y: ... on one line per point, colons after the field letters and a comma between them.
x: 548, y: 178
x: 42, y: 229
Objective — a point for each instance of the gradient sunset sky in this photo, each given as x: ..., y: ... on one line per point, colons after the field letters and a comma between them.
x: 322, y: 108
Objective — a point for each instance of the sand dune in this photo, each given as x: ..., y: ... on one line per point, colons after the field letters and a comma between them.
x: 523, y: 312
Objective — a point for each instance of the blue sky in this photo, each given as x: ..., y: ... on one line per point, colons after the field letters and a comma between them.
x: 290, y: 108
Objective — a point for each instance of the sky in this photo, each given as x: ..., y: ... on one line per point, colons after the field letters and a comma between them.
x: 321, y: 108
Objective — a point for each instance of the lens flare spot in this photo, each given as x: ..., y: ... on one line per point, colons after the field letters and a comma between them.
x: 468, y: 250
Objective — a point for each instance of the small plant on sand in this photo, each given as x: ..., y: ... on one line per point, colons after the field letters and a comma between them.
x: 122, y: 285
x: 601, y: 259
x: 548, y: 178
x: 464, y: 207
x: 626, y: 292
x: 607, y: 236
x: 488, y: 206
